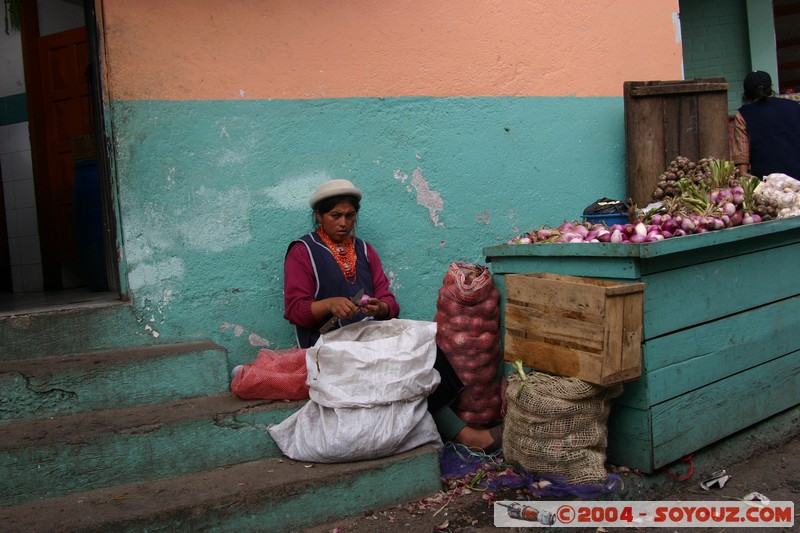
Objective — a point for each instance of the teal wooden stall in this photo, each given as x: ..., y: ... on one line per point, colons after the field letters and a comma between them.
x: 720, y: 338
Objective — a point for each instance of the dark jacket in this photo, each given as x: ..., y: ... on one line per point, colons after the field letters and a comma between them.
x: 773, y: 126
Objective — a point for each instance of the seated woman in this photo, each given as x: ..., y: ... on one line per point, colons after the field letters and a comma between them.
x: 324, y: 269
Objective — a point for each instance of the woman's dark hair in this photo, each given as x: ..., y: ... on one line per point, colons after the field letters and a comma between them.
x: 757, y: 87
x: 326, y: 204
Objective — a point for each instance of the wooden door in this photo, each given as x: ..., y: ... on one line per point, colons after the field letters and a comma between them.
x: 66, y: 113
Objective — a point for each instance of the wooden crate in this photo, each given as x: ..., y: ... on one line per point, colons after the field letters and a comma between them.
x: 665, y: 119
x: 586, y: 328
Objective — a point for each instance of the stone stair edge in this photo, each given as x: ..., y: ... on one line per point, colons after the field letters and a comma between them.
x: 84, y: 426
x: 110, y: 356
x: 241, y: 487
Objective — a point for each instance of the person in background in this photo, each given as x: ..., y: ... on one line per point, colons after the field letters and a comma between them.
x: 766, y: 136
x: 325, y: 268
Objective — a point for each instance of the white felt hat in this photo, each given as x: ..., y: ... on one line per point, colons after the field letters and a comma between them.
x: 333, y: 188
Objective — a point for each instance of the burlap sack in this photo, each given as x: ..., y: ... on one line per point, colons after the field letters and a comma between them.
x: 558, y: 426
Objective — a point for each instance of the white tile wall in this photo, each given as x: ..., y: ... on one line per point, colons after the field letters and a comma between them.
x: 20, y: 200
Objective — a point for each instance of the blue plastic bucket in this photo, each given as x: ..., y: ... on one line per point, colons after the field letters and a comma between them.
x: 608, y: 220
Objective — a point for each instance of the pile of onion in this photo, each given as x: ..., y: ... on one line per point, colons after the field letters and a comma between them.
x: 695, y: 211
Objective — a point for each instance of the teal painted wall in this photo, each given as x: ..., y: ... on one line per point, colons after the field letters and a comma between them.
x: 716, y: 43
x: 211, y: 192
x: 761, y: 31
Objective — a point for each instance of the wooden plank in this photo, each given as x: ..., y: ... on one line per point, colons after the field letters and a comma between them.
x: 584, y: 333
x: 672, y: 117
x: 699, y: 418
x: 630, y: 440
x: 714, y: 252
x: 633, y: 331
x: 558, y: 293
x: 623, y: 268
x: 685, y: 297
x: 692, y: 358
x: 712, y: 124
x: 688, y: 129
x: 644, y: 147
x: 556, y: 359
x: 660, y: 88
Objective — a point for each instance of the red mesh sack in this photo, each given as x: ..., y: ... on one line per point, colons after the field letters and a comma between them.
x: 274, y: 375
x: 468, y: 333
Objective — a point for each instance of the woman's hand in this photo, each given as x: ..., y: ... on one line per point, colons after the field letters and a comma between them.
x: 375, y: 308
x: 341, y: 307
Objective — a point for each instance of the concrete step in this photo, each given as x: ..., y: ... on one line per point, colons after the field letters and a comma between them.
x: 85, y: 451
x: 67, y: 384
x: 75, y: 330
x: 274, y: 495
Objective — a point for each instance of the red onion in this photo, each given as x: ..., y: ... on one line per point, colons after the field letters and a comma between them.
x: 737, y: 195
x: 669, y: 225
x: 566, y: 226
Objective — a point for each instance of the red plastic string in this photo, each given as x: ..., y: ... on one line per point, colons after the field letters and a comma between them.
x: 687, y: 460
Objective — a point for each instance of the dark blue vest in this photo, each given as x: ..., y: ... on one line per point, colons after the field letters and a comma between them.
x: 774, y: 129
x: 331, y: 282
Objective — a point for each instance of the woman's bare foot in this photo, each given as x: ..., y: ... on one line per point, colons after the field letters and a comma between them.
x: 485, y: 439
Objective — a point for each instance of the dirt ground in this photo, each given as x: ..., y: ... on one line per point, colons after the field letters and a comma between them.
x: 774, y: 474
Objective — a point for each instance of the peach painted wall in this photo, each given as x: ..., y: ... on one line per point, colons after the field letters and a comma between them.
x: 290, y: 49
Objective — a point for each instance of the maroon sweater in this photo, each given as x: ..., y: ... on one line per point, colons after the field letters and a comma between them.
x: 300, y: 285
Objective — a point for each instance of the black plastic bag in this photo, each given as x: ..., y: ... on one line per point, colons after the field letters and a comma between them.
x: 606, y: 206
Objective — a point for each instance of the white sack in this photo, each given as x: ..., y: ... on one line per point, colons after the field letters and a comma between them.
x: 368, y: 384
x: 320, y: 434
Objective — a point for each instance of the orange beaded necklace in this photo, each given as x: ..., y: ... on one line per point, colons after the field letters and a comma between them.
x: 344, y: 253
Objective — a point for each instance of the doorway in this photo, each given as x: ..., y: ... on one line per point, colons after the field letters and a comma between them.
x: 76, y: 225
x: 787, y: 43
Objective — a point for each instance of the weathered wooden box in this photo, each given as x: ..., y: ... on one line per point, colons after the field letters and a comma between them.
x: 665, y: 119
x: 586, y: 328
x: 720, y: 331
